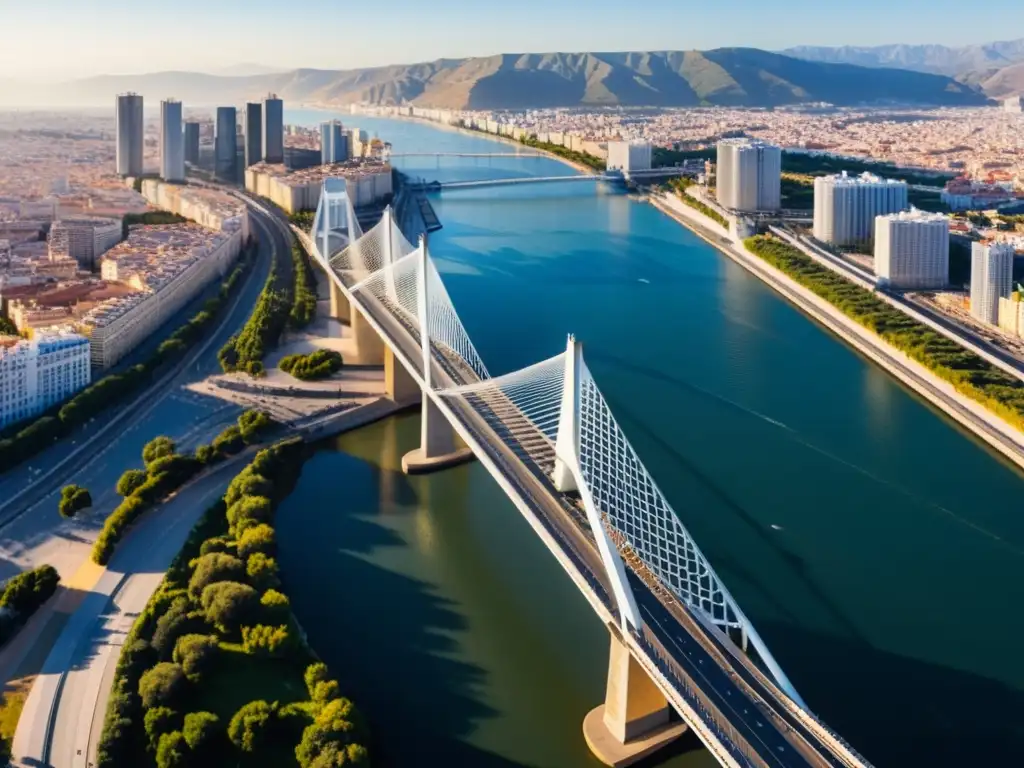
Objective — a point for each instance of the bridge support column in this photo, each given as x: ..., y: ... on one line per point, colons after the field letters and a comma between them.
x: 398, y: 384
x: 341, y: 309
x: 440, y: 447
x: 369, y: 347
x: 634, y: 720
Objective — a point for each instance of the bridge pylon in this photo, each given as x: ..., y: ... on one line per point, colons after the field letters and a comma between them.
x: 440, y: 447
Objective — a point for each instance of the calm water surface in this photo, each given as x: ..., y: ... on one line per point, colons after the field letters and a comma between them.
x: 877, y: 548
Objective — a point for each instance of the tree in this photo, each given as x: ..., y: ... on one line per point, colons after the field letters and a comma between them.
x: 262, y: 571
x: 228, y: 604
x: 172, y: 752
x: 130, y: 481
x: 333, y: 731
x: 158, y: 721
x: 315, y: 673
x: 263, y: 640
x: 276, y: 607
x: 259, y: 538
x: 247, y: 483
x: 211, y: 568
x: 73, y: 499
x: 201, y: 730
x: 176, y: 621
x: 157, y: 448
x: 258, y: 509
x: 195, y: 654
x: 27, y: 591
x: 249, y: 725
x: 161, y: 685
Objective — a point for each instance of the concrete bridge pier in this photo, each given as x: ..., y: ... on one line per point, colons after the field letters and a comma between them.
x: 633, y: 722
x: 440, y: 446
x: 398, y: 384
x: 341, y: 308
x: 369, y: 347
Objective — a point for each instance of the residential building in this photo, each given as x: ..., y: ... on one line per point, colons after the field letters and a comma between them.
x: 253, y: 133
x: 84, y: 239
x: 991, y: 279
x: 912, y: 250
x: 225, y: 142
x: 273, y: 130
x: 845, y: 207
x: 1011, y: 314
x: 367, y: 181
x: 130, y: 134
x: 334, y: 147
x: 172, y: 142
x: 628, y: 156
x: 749, y: 175
x: 192, y: 143
x: 39, y: 373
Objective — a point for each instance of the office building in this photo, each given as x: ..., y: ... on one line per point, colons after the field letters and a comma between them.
x: 845, y: 207
x: 172, y: 142
x: 192, y: 143
x: 912, y: 250
x: 225, y: 143
x: 749, y: 175
x: 273, y: 130
x: 629, y: 156
x: 991, y: 279
x: 334, y: 143
x: 130, y: 134
x: 37, y: 374
x: 253, y: 133
x: 84, y: 239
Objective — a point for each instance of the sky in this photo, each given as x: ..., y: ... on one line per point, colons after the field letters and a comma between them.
x: 64, y: 39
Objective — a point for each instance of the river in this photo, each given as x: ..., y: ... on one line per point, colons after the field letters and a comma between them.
x: 875, y: 545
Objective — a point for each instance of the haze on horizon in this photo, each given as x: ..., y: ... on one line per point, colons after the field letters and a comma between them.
x: 65, y: 39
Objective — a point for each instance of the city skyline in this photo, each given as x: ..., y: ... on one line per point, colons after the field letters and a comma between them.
x: 151, y: 39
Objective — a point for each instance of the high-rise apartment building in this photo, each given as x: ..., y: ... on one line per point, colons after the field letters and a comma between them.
x: 912, y: 249
x: 845, y: 207
x: 334, y: 144
x: 130, y: 134
x: 628, y: 156
x: 37, y: 374
x: 273, y: 129
x: 253, y: 133
x: 991, y: 279
x: 192, y: 143
x: 172, y: 142
x: 749, y: 175
x: 225, y: 143
x: 83, y: 239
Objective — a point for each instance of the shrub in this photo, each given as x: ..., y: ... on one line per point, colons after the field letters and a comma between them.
x: 201, y: 730
x: 257, y: 539
x: 157, y: 448
x: 195, y: 654
x: 228, y: 604
x: 24, y: 593
x: 276, y: 607
x: 73, y: 499
x: 262, y: 571
x: 211, y: 568
x: 315, y: 673
x: 316, y: 365
x: 229, y: 441
x: 161, y: 685
x: 263, y: 640
x: 258, y: 509
x: 249, y: 725
x: 176, y: 622
x: 172, y: 752
x: 206, y: 455
x: 130, y: 481
x: 158, y: 721
x: 248, y: 483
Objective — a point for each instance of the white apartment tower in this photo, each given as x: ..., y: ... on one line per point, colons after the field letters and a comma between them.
x: 991, y: 279
x: 912, y: 250
x: 629, y: 156
x: 749, y: 175
x: 37, y: 374
x: 130, y: 134
x: 845, y: 207
x: 172, y: 141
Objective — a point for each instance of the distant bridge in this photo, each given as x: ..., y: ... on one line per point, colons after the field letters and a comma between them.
x: 465, y: 154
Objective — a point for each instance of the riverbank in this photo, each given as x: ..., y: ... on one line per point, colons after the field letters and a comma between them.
x: 968, y: 413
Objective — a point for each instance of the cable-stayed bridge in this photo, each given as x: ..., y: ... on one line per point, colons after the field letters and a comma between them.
x: 679, y: 641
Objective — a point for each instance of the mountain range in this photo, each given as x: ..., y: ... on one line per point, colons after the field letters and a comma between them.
x: 997, y: 68
x: 725, y: 76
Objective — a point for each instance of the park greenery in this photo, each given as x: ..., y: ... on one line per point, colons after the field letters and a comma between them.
x: 303, y: 219
x: 679, y: 186
x: 316, y: 365
x: 304, y: 291
x: 73, y: 499
x: 969, y: 374
x: 245, y: 350
x: 22, y: 595
x: 165, y: 472
x: 215, y: 670
x: 583, y: 158
x: 31, y: 438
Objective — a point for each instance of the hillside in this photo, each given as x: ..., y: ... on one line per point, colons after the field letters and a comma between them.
x: 937, y: 59
x: 726, y: 77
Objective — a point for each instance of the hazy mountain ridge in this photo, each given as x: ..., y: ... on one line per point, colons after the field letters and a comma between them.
x: 725, y: 76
